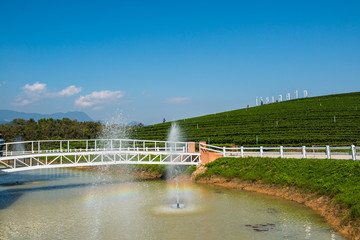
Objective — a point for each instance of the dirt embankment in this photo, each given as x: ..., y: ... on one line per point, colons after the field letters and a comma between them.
x: 332, y: 212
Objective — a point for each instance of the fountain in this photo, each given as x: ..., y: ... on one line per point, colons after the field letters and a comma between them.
x: 113, y: 128
x: 173, y: 171
x: 19, y: 147
x: 178, y: 205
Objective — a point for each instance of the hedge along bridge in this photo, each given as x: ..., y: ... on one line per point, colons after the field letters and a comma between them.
x: 211, y: 152
x: 27, y: 155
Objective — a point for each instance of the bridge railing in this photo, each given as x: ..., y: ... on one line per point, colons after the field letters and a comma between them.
x: 46, y: 146
x: 347, y: 152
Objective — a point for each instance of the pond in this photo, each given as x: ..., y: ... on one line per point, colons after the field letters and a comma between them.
x: 74, y: 204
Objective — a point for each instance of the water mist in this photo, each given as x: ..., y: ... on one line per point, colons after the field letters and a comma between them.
x: 114, y: 128
x: 172, y: 171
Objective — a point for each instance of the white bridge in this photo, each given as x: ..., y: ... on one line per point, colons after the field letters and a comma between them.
x: 27, y: 155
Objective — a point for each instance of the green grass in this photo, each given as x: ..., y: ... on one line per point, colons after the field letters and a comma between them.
x: 339, y: 179
x: 151, y: 168
x: 190, y: 170
x: 307, y: 121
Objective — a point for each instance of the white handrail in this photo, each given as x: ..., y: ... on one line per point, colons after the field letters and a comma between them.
x: 281, y: 151
x: 91, y: 145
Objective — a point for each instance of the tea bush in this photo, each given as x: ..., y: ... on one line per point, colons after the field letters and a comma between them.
x: 326, y: 120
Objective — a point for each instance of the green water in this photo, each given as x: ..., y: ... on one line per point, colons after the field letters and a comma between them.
x: 72, y: 204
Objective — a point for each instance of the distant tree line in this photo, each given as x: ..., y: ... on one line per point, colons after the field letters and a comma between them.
x: 46, y: 129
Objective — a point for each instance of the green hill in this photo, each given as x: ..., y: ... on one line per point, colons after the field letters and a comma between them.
x: 326, y: 120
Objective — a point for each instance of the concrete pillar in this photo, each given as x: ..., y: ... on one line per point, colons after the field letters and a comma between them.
x: 207, y: 157
x: 191, y: 147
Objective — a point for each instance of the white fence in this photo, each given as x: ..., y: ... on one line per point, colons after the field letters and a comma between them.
x: 286, y: 152
x: 48, y: 146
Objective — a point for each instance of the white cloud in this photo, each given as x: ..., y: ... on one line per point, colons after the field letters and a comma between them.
x: 22, y: 102
x: 38, y: 91
x: 178, y: 100
x: 3, y: 83
x: 69, y: 91
x: 97, y: 100
x: 35, y: 88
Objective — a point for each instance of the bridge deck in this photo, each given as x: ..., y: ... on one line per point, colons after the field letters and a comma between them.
x: 124, y: 152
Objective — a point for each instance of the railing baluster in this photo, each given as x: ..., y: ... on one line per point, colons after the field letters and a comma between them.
x: 353, y: 152
x: 304, y: 151
x: 328, y: 154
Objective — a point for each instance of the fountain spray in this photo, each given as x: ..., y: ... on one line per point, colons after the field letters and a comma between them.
x: 174, y: 136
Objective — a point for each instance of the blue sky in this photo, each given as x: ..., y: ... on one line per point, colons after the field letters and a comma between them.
x: 147, y: 60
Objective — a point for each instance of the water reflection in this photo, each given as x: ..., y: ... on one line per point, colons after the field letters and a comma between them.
x: 70, y: 204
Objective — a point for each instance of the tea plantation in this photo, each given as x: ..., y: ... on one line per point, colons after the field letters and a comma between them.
x: 326, y: 120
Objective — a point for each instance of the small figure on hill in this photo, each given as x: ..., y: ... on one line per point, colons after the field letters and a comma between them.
x: 1, y: 144
x: 164, y: 120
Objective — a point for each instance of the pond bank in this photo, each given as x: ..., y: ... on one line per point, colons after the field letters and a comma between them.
x: 334, y: 213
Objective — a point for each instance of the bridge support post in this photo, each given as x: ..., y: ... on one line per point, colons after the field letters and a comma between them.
x: 206, y: 156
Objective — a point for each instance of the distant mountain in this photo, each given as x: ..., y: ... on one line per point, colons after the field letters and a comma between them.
x: 7, y: 116
x: 129, y: 124
x: 133, y: 123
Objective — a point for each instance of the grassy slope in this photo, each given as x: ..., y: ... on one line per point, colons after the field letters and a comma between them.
x: 308, y: 121
x: 338, y: 179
